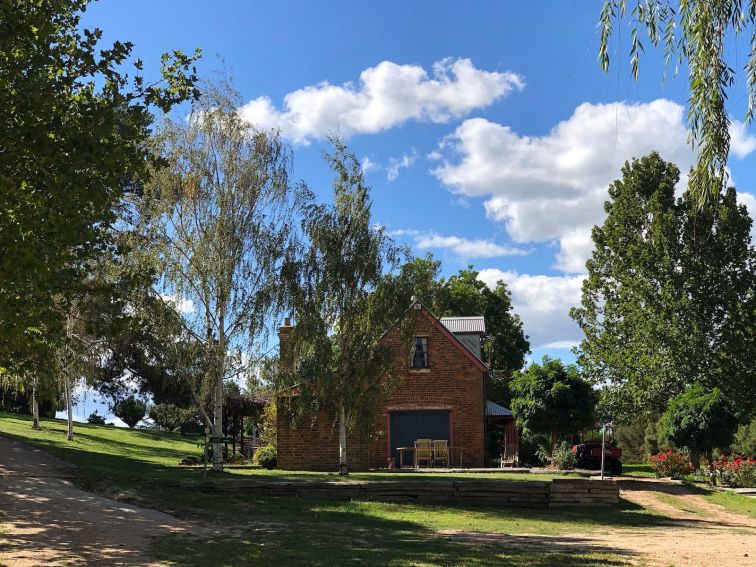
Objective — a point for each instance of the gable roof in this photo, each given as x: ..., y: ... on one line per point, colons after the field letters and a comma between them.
x: 464, y: 324
x: 495, y: 410
x: 437, y: 323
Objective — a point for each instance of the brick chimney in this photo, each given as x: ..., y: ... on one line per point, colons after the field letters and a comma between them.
x: 284, y: 345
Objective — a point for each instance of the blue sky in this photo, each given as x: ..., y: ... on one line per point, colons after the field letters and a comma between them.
x: 487, y: 130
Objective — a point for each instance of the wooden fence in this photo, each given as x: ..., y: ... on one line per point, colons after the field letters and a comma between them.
x: 558, y: 492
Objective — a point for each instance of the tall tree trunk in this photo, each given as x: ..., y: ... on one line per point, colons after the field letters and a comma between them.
x: 712, y: 472
x: 218, y: 423
x: 343, y: 468
x: 35, y: 405
x: 69, y: 405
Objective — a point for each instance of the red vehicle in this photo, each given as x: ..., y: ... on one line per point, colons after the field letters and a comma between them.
x: 587, y: 450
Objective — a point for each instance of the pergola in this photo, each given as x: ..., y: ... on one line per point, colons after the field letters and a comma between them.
x: 238, y: 408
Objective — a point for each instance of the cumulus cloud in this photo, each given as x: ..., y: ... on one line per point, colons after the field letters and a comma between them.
x: 543, y: 303
x: 369, y: 165
x: 552, y: 187
x: 463, y: 247
x: 387, y: 95
x: 741, y: 142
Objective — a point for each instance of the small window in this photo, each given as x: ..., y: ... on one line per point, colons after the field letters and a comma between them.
x: 420, y: 353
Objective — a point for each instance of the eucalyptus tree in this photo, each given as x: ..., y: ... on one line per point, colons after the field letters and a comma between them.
x: 670, y: 297
x: 72, y: 143
x: 218, y: 222
x: 343, y: 311
x: 697, y: 33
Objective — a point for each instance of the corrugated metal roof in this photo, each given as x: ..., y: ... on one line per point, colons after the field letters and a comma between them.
x: 493, y: 409
x: 464, y: 324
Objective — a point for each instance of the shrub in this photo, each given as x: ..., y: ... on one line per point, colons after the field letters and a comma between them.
x: 745, y: 439
x: 169, y: 416
x: 671, y: 464
x: 563, y: 457
x: 131, y: 410
x: 530, y: 449
x: 266, y: 457
x: 96, y: 419
x: 739, y: 472
x: 700, y: 420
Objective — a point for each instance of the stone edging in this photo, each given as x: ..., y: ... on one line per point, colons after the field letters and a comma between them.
x: 554, y: 493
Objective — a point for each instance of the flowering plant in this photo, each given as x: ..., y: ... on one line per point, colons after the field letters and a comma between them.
x: 671, y: 464
x: 737, y: 472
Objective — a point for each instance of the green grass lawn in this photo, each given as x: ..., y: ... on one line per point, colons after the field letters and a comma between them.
x: 732, y: 502
x: 268, y: 530
x: 637, y: 469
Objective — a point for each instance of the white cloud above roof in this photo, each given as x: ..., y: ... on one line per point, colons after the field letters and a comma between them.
x: 552, y: 187
x: 386, y: 95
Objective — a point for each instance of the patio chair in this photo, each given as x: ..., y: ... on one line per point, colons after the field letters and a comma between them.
x: 441, y: 451
x: 423, y: 451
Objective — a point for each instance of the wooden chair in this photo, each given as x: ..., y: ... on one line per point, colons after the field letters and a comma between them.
x: 423, y: 451
x: 441, y: 451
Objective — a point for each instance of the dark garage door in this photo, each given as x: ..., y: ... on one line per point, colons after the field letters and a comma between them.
x: 408, y: 426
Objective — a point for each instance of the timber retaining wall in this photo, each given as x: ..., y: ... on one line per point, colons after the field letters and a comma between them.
x: 557, y: 492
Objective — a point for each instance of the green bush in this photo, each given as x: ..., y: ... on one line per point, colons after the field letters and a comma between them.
x: 169, y: 416
x: 96, y: 419
x: 671, y: 463
x: 744, y: 442
x: 563, y: 457
x: 699, y: 420
x: 131, y: 410
x: 266, y: 457
x: 530, y: 449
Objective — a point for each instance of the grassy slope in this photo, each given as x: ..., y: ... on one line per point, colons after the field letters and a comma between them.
x: 272, y: 530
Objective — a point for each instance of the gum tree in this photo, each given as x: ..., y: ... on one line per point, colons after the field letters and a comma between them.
x: 218, y: 223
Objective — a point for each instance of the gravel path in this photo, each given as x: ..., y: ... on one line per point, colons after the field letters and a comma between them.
x: 45, y: 520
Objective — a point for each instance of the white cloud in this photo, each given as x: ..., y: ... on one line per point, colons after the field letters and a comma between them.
x: 184, y: 306
x: 463, y: 247
x: 396, y: 164
x: 543, y: 303
x: 552, y: 187
x: 387, y: 95
x: 749, y: 200
x: 741, y: 142
x: 369, y: 165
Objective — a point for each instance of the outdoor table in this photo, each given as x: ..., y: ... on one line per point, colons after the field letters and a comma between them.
x: 401, y: 456
x: 413, y: 450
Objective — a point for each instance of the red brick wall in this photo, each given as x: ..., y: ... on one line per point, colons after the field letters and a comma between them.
x: 453, y: 382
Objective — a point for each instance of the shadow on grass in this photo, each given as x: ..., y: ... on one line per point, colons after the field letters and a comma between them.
x: 341, y: 537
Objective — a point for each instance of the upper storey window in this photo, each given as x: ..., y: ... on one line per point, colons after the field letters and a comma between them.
x: 420, y: 353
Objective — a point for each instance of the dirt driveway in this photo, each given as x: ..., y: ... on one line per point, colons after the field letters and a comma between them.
x: 695, y: 532
x: 47, y: 521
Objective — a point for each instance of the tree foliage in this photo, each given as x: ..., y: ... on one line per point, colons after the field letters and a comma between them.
x: 700, y: 421
x: 73, y: 142
x: 695, y: 33
x: 219, y: 223
x: 342, y: 365
x: 130, y: 410
x: 670, y: 296
x: 552, y: 399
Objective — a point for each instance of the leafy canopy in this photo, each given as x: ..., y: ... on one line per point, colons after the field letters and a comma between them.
x: 73, y: 139
x: 551, y: 398
x: 699, y: 420
x: 697, y: 33
x: 669, y: 298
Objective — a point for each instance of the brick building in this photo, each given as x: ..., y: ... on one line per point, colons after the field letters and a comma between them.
x: 441, y: 395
